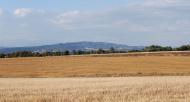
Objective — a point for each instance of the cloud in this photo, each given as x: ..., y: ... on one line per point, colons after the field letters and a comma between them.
x: 163, y: 21
x: 70, y: 14
x: 160, y: 2
x: 140, y: 22
x: 65, y: 19
x: 22, y: 12
x: 143, y: 17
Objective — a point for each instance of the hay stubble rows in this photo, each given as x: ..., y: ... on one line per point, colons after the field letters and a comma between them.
x: 120, y: 89
x: 24, y: 82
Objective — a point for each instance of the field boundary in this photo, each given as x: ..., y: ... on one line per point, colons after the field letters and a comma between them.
x: 160, y: 53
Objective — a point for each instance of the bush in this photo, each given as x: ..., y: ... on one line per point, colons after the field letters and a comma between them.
x: 183, y: 48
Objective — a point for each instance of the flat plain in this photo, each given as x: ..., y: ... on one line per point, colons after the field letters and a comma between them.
x: 117, y: 89
x: 135, y: 64
x: 135, y: 77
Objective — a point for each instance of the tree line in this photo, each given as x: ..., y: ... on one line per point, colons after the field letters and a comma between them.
x: 152, y: 48
x: 59, y: 53
x: 155, y: 48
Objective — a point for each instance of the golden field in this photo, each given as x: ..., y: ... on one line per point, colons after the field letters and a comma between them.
x: 118, y: 89
x: 97, y: 65
x: 70, y: 78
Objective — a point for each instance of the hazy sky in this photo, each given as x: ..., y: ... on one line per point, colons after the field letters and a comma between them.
x: 131, y: 22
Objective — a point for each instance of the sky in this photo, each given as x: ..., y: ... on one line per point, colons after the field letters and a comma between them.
x: 130, y: 22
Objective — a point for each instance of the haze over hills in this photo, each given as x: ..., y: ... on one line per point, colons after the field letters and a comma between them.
x: 71, y: 46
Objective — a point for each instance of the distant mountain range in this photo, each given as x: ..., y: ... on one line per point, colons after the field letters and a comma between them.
x: 71, y: 46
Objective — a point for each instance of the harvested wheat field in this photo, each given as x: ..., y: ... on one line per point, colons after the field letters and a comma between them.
x: 97, y: 65
x: 120, y: 89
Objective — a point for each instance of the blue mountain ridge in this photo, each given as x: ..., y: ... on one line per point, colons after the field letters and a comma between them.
x: 84, y: 45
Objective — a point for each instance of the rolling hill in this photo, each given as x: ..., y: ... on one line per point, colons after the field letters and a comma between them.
x: 71, y: 46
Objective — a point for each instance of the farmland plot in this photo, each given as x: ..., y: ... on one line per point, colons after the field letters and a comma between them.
x: 120, y: 89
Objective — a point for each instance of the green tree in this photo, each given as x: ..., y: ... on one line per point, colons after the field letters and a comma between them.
x: 153, y: 48
x: 2, y: 55
x: 183, y: 48
x: 66, y: 52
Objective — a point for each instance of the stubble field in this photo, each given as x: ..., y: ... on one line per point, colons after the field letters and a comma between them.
x: 120, y: 89
x: 137, y: 77
x: 136, y: 64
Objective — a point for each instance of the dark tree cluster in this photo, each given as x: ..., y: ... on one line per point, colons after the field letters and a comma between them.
x: 183, y: 48
x: 33, y: 54
x: 58, y: 53
x: 154, y: 48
